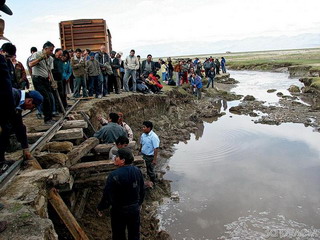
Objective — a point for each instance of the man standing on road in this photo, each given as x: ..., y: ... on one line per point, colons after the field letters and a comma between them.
x: 115, y: 77
x: 149, y: 147
x: 103, y: 58
x: 78, y: 65
x: 41, y: 63
x: 131, y: 65
x: 124, y: 192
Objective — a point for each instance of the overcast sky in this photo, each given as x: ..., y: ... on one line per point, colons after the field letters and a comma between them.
x: 139, y: 23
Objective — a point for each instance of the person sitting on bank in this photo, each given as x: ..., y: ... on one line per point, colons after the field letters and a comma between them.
x: 149, y: 146
x: 121, y: 142
x: 153, y: 83
x: 22, y: 100
x: 124, y: 192
x: 110, y: 132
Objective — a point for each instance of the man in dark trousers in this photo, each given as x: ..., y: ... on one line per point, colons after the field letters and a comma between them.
x: 149, y: 148
x: 42, y: 63
x: 124, y: 192
x: 115, y: 77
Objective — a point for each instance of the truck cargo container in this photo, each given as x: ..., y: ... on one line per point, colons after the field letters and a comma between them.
x: 85, y: 33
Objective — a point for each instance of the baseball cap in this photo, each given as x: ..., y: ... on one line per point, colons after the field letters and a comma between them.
x: 36, y: 96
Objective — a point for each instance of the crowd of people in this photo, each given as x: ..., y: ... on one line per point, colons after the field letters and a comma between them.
x: 84, y: 73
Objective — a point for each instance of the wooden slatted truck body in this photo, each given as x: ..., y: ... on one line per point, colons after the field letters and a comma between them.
x: 85, y: 33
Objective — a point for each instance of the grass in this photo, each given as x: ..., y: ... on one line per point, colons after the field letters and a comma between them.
x: 315, y: 82
x: 268, y: 60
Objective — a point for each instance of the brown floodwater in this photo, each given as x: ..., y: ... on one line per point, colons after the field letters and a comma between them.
x: 241, y: 180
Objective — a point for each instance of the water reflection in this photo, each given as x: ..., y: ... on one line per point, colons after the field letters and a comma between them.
x: 237, y: 179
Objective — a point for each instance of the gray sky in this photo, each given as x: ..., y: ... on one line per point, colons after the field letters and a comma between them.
x: 152, y: 26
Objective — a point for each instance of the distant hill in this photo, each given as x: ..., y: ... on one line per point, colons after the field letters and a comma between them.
x: 308, y: 40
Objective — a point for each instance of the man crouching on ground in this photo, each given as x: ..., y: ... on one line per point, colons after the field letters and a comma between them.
x: 22, y: 100
x: 124, y: 192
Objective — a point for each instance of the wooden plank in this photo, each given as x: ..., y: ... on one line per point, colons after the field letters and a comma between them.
x: 66, y: 125
x: 78, y: 152
x: 66, y: 216
x: 79, y: 208
x: 67, y: 134
x: 102, y: 166
x: 75, y: 124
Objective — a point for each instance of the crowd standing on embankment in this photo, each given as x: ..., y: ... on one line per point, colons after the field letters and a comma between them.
x: 57, y: 73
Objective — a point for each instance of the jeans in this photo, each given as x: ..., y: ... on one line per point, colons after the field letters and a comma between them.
x: 94, y: 85
x: 164, y: 76
x: 132, y: 73
x: 176, y: 76
x: 211, y: 80
x: 223, y: 67
x: 104, y: 84
x: 80, y: 82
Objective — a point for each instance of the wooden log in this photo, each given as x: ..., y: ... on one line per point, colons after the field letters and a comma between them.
x: 78, y: 152
x: 66, y: 125
x: 79, y: 208
x: 75, y: 124
x: 46, y: 160
x: 68, y: 134
x: 58, y: 147
x: 105, y: 148
x: 102, y: 166
x: 66, y: 216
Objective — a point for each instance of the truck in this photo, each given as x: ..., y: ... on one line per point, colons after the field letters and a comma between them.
x: 85, y: 33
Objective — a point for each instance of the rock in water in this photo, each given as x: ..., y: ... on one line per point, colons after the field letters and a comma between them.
x: 294, y: 89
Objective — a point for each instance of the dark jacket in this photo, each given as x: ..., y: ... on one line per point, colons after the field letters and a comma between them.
x: 143, y: 66
x: 115, y: 65
x: 124, y: 187
x: 57, y: 70
x: 109, y: 133
x: 8, y: 109
x: 102, y: 58
x: 211, y: 74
